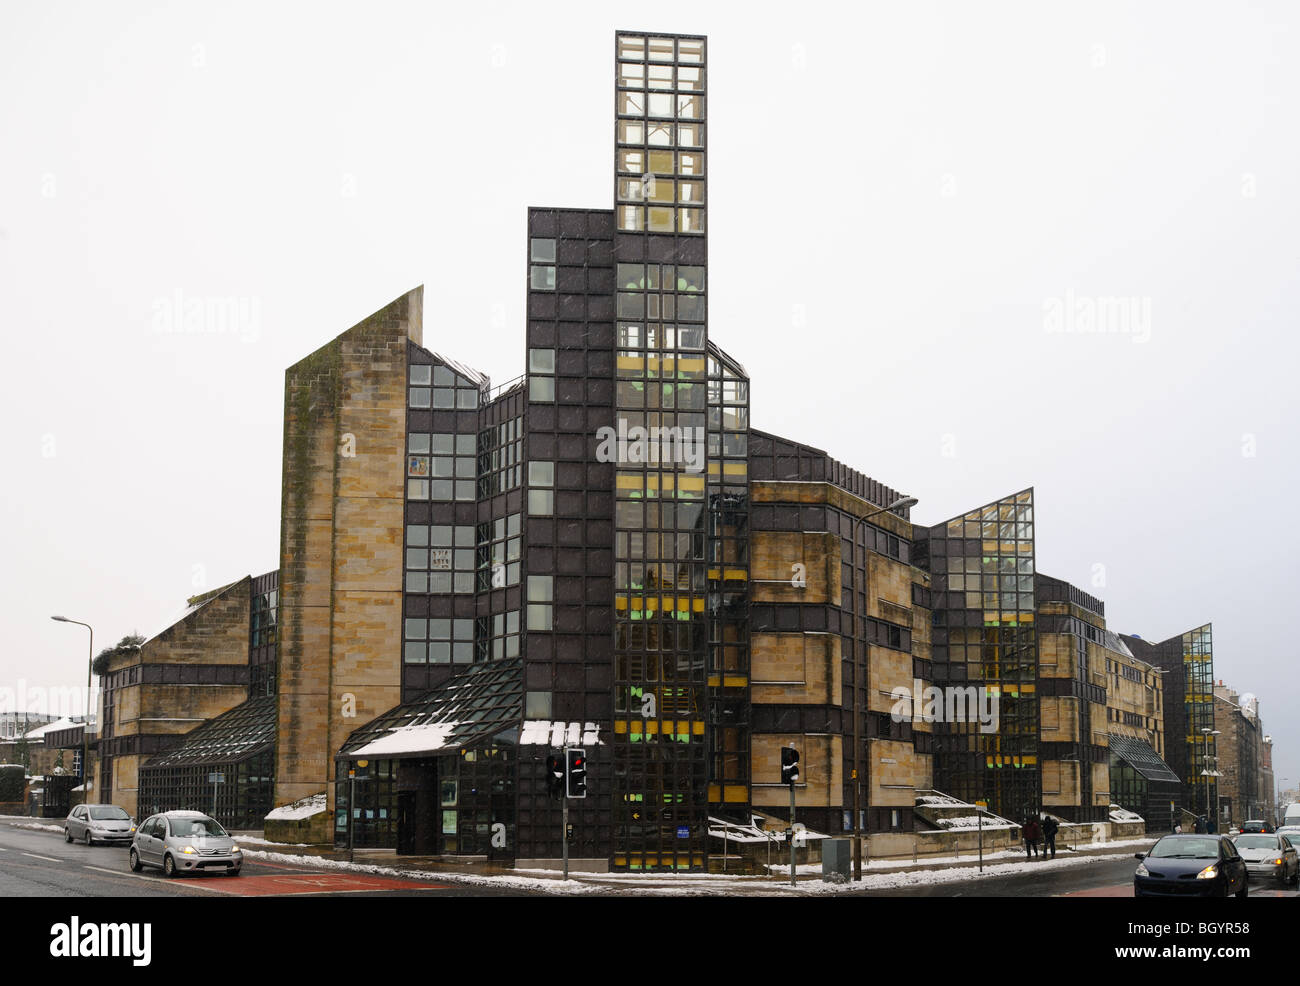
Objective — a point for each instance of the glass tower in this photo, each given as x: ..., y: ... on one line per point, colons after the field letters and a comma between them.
x: 661, y: 396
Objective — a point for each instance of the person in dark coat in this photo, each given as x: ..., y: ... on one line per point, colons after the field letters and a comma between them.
x: 1050, y: 825
x: 1031, y: 833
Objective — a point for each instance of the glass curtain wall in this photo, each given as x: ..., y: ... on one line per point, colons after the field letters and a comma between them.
x: 728, y: 585
x: 1198, y: 697
x: 983, y: 568
x: 660, y: 787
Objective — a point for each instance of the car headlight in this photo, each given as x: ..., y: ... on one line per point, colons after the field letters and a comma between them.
x: 1277, y: 862
x: 1209, y: 873
x: 189, y: 851
x: 1141, y: 870
x: 235, y: 849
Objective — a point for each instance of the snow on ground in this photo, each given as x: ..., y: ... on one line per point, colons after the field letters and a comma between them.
x: 36, y: 826
x: 714, y: 883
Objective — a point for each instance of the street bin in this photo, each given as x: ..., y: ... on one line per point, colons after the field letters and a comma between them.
x: 837, y: 860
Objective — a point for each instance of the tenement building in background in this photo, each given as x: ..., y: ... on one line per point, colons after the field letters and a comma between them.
x: 606, y: 553
x: 1245, y: 761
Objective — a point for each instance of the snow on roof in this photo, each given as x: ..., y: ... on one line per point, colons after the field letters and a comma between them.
x: 543, y: 732
x: 67, y: 722
x: 477, y: 377
x: 1118, y: 814
x: 425, y: 738
x: 300, y: 809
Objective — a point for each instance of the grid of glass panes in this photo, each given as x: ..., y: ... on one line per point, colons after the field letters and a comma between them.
x: 263, y: 618
x: 659, y: 102
x: 541, y: 264
x: 441, y: 389
x: 1198, y: 698
x: 498, y: 636
x: 440, y: 466
x: 438, y: 641
x: 991, y: 562
x: 656, y: 304
x: 500, y: 457
x: 660, y: 790
x: 440, y: 558
x: 500, y: 547
x: 728, y: 580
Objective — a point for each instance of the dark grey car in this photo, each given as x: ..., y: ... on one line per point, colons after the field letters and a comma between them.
x: 98, y: 823
x: 184, y: 842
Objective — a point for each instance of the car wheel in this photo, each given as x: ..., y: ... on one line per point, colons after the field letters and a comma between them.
x: 87, y: 839
x: 135, y: 861
x: 169, y: 865
x: 67, y: 835
x: 233, y: 871
x: 1245, y: 888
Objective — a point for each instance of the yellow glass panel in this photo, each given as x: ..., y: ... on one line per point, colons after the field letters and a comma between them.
x: 661, y: 162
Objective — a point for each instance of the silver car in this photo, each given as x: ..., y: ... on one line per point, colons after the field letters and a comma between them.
x: 1269, y: 856
x: 98, y: 823
x: 184, y: 842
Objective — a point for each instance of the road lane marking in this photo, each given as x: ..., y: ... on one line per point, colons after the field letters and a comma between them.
x: 101, y: 869
x: 48, y: 859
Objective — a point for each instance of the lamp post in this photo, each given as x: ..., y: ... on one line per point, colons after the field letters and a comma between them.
x: 859, y: 623
x: 85, y: 726
x: 1205, y: 769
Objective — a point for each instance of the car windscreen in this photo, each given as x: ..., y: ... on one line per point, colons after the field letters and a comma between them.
x: 109, y: 813
x: 1256, y: 842
x: 196, y: 827
x: 1187, y: 848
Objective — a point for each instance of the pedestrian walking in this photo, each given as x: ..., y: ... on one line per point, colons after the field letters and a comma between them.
x: 1031, y: 832
x: 1050, y: 825
x: 1178, y: 828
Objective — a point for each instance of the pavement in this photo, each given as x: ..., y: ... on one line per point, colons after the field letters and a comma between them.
x: 880, y: 874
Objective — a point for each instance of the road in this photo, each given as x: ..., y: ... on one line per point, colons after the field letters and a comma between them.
x: 1109, y: 876
x: 40, y: 864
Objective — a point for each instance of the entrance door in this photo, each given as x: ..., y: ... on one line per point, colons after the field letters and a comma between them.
x: 406, y: 823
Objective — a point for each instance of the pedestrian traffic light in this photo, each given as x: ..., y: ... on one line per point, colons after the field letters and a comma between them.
x: 555, y: 775
x: 576, y: 774
x: 789, y: 765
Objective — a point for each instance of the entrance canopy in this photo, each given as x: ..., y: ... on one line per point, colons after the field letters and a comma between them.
x: 468, y: 710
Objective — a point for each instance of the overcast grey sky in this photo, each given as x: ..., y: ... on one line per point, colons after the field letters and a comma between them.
x: 913, y: 209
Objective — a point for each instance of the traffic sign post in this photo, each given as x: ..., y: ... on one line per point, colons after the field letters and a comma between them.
x: 215, y: 777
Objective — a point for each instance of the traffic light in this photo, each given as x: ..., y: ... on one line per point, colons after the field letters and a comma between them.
x: 576, y: 774
x: 555, y: 775
x: 789, y: 765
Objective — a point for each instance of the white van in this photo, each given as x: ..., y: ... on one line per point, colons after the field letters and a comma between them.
x: 1292, y: 816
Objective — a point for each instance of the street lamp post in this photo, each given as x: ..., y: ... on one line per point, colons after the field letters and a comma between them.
x: 85, y: 726
x: 1207, y: 773
x: 858, y: 637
